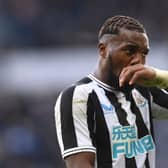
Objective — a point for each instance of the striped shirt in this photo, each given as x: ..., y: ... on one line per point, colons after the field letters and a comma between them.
x: 91, y: 116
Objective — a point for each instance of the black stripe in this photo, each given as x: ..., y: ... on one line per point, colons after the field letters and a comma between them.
x: 142, y: 128
x: 121, y: 114
x: 91, y: 119
x: 151, y: 127
x: 146, y: 94
x: 159, y: 97
x: 67, y: 124
x: 147, y: 161
x: 122, y: 117
x: 130, y: 162
x: 83, y: 81
x: 103, y: 146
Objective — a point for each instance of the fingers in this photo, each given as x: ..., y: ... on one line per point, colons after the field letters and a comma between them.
x: 138, y: 77
x: 129, y: 74
x: 137, y: 74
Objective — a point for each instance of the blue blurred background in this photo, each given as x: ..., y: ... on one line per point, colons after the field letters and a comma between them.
x: 46, y: 45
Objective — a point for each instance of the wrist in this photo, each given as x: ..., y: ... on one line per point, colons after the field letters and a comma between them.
x: 161, y: 78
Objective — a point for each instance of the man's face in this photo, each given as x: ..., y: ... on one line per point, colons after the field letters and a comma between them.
x: 127, y: 48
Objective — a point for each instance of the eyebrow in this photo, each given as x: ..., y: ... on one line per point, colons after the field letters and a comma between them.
x: 130, y: 43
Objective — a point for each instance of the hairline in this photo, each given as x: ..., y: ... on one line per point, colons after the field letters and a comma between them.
x: 108, y: 35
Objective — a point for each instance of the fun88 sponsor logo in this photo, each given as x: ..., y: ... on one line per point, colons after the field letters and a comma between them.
x: 125, y: 141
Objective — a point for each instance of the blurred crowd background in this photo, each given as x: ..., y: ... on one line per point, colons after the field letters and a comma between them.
x: 46, y: 45
x: 46, y: 23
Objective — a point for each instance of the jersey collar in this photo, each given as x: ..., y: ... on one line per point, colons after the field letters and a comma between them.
x: 125, y: 89
x: 100, y: 83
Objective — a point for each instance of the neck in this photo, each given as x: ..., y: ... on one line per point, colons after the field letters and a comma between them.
x: 111, y: 79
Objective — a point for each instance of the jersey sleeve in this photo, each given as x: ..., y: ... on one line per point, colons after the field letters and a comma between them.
x: 160, y: 97
x: 159, y: 103
x: 71, y: 122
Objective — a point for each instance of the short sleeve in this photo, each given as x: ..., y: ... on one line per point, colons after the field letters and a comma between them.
x: 71, y: 121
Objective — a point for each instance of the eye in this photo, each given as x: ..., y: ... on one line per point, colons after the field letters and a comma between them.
x: 145, y: 53
x: 131, y: 50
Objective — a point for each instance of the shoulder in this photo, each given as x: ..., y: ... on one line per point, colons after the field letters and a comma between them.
x: 79, y: 90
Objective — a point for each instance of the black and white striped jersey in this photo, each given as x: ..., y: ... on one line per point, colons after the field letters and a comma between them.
x: 117, y: 126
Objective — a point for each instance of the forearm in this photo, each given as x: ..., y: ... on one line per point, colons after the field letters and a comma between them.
x: 161, y: 78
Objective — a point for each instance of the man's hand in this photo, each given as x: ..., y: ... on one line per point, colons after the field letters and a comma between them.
x: 137, y: 74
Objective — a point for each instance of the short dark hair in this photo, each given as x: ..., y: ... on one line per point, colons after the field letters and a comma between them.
x: 114, y: 24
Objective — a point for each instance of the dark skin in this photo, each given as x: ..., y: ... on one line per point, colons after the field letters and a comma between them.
x: 116, y: 52
x: 81, y: 160
x: 137, y: 74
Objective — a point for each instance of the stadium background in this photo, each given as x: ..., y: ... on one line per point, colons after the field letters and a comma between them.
x: 46, y: 45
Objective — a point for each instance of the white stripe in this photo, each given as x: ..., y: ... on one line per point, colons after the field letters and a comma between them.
x: 100, y: 83
x: 140, y: 160
x: 79, y: 111
x: 58, y: 123
x: 75, y: 150
x: 126, y: 106
x: 144, y: 109
x: 165, y: 91
x: 120, y: 162
x: 152, y: 159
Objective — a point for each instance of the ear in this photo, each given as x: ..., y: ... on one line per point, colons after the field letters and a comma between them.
x: 102, y: 50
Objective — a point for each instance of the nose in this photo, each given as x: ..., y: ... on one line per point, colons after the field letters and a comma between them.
x: 138, y: 58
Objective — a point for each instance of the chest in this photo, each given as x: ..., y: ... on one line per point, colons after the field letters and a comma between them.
x: 119, y: 109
